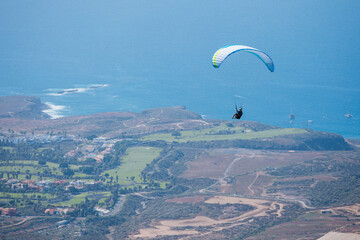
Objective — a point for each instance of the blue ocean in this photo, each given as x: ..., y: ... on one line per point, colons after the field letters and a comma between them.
x: 317, y: 109
x: 131, y: 56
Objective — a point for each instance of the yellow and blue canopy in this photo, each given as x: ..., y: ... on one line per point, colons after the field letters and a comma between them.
x: 221, y: 54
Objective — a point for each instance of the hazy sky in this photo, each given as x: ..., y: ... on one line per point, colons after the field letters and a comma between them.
x: 158, y: 53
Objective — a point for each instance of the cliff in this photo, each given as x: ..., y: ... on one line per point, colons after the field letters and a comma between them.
x: 22, y: 107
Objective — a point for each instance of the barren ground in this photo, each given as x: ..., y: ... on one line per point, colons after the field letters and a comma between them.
x: 168, y: 227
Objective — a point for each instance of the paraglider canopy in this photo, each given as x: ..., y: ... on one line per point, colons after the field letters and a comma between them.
x: 221, y: 54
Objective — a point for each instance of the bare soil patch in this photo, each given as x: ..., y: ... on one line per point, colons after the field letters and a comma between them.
x: 161, y: 230
x: 213, y: 163
x: 352, y: 209
x: 208, y: 165
x: 169, y: 227
x: 264, y: 159
x: 242, y: 182
x: 340, y: 236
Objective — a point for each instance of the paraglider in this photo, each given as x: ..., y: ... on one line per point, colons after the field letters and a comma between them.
x: 221, y: 54
x: 238, y: 113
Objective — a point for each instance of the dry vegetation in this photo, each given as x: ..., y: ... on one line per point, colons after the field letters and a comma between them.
x: 213, y: 187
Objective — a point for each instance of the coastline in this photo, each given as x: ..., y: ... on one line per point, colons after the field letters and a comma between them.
x: 54, y: 111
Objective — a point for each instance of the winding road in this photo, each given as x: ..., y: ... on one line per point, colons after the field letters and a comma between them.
x: 226, y: 174
x: 251, y: 184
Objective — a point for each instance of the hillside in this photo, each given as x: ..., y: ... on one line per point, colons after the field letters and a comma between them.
x: 169, y: 121
x: 22, y: 107
x: 166, y: 173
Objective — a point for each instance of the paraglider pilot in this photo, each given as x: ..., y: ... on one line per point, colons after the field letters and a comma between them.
x: 238, y: 113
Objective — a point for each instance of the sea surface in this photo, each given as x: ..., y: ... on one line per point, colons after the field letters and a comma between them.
x: 314, y: 107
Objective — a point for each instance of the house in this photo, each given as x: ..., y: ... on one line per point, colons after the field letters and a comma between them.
x: 60, y: 181
x: 28, y: 181
x: 64, y: 211
x: 44, y: 183
x: 16, y: 186
x: 32, y: 186
x: 78, y: 182
x: 93, y: 185
x: 12, y: 181
x: 8, y: 211
x: 50, y: 211
x: 69, y: 188
x: 102, y: 210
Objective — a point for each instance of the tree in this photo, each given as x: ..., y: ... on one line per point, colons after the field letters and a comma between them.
x: 64, y: 165
x: 87, y: 170
x: 67, y: 172
x: 176, y: 134
x: 42, y: 162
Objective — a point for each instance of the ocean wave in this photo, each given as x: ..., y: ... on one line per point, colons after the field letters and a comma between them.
x: 76, y: 90
x: 55, y: 111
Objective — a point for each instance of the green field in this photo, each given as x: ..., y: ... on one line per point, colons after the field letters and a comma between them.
x: 20, y: 162
x: 11, y: 149
x: 32, y: 167
x: 219, y: 133
x: 100, y: 196
x: 77, y: 167
x: 81, y: 175
x: 33, y: 177
x: 36, y: 164
x: 133, y: 162
x: 22, y: 169
x: 26, y: 195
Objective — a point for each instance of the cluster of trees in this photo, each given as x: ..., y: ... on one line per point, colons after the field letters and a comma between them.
x: 85, y: 208
x: 6, y: 143
x: 32, y: 152
x: 343, y: 191
x: 225, y: 210
x: 301, y: 169
x: 305, y: 182
x: 45, y: 153
x: 161, y: 168
x: 318, y: 166
x: 110, y: 202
